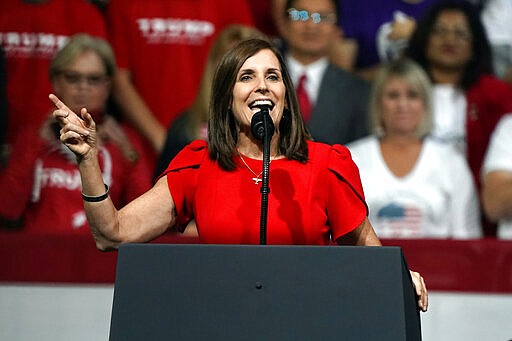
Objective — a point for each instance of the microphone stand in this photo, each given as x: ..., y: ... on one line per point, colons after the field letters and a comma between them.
x: 265, y: 188
x: 263, y: 128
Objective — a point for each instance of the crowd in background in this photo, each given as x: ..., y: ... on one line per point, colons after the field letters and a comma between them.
x: 416, y: 89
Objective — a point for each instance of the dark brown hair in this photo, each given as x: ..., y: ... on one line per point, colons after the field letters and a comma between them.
x: 481, y: 60
x: 227, y: 38
x: 223, y: 127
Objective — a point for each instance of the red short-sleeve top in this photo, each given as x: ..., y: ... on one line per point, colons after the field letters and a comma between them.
x: 309, y: 203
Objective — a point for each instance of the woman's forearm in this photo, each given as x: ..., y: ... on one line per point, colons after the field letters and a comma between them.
x: 101, y: 216
x: 141, y: 220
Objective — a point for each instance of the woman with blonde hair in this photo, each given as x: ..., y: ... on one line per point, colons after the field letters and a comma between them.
x: 40, y: 192
x: 415, y: 186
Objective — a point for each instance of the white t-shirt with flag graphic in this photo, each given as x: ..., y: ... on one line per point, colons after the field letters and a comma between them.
x: 437, y: 199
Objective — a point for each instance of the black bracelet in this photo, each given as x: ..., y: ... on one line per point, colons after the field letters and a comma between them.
x: 96, y: 198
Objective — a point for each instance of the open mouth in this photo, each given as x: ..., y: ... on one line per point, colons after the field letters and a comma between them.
x: 258, y: 104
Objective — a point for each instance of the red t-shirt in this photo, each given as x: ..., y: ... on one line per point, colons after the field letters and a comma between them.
x: 44, y: 187
x: 308, y: 203
x: 165, y: 43
x: 487, y: 101
x: 31, y: 34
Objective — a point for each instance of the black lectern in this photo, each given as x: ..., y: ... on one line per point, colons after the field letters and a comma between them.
x: 228, y: 292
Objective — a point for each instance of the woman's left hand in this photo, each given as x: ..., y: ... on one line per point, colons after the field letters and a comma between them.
x: 421, y: 290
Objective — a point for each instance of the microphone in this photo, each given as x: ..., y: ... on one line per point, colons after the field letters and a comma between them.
x: 258, y: 122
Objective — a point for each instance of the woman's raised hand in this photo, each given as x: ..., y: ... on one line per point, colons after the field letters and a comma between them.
x: 78, y: 132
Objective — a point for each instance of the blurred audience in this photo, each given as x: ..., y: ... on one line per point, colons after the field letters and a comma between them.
x: 31, y: 34
x: 380, y: 28
x: 192, y: 124
x: 40, y: 190
x: 333, y: 101
x: 468, y: 100
x: 497, y: 178
x: 167, y: 51
x: 497, y: 16
x: 415, y: 186
x: 343, y: 50
x: 161, y: 49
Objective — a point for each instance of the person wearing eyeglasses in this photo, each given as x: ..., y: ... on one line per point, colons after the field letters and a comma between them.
x: 30, y: 36
x: 332, y: 100
x: 468, y: 100
x: 40, y: 188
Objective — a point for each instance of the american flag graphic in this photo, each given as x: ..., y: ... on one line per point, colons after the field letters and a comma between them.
x: 401, y: 219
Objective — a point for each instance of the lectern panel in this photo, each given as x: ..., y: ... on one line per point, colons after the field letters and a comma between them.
x: 227, y: 292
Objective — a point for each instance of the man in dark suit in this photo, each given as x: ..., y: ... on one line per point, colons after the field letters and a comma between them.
x: 334, y: 102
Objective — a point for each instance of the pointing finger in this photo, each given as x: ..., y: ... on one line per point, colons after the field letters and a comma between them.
x: 58, y: 103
